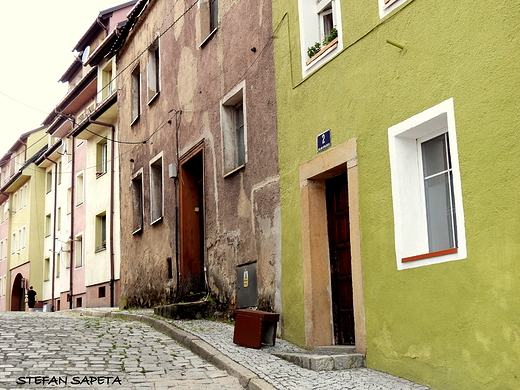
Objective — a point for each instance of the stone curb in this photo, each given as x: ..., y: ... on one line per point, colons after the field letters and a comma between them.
x: 247, y: 378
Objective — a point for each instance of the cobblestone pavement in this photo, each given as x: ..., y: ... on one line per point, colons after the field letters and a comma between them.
x: 287, y: 376
x: 46, y: 350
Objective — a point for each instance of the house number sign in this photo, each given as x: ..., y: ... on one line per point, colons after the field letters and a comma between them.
x: 323, y: 141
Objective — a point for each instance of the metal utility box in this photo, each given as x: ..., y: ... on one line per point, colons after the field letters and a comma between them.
x: 247, y: 292
x: 254, y: 328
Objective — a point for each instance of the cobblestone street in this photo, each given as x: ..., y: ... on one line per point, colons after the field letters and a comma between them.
x: 45, y: 350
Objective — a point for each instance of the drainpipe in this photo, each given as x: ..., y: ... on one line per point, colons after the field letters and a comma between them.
x: 54, y: 229
x: 100, y: 23
x: 111, y: 227
x: 72, y: 231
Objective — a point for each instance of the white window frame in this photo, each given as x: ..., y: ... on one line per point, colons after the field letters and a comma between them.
x: 135, y: 95
x: 156, y: 189
x: 311, y: 31
x: 79, y: 189
x: 230, y: 158
x: 153, y: 72
x: 78, y: 251
x: 411, y: 232
x: 387, y: 6
x: 137, y: 201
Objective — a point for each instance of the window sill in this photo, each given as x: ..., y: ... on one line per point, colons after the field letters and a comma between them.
x: 429, y: 255
x: 135, y: 120
x: 327, y: 49
x: 230, y: 173
x: 153, y: 98
x: 208, y: 37
x: 156, y: 220
x: 137, y: 231
x: 99, y: 174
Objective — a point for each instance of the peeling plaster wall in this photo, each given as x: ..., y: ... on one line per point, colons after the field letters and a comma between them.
x: 242, y: 216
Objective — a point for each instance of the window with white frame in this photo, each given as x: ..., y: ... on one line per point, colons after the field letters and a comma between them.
x: 101, y: 158
x: 107, y: 80
x: 208, y: 19
x: 80, y: 190
x: 137, y: 201
x: 57, y: 266
x: 48, y: 225
x: 13, y: 243
x: 78, y: 251
x: 234, y: 129
x: 101, y: 232
x: 21, y: 238
x: 320, y: 32
x: 2, y: 244
x: 156, y: 189
x: 135, y: 94
x: 153, y: 71
x: 49, y: 181
x: 47, y: 269
x: 426, y: 188
x: 387, y: 6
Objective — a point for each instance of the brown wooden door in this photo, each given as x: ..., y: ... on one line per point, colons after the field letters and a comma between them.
x: 191, y: 215
x: 340, y: 259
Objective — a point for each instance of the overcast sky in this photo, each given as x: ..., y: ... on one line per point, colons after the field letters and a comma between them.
x: 36, y: 42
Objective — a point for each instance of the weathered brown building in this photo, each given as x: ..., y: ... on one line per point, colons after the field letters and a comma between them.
x: 198, y: 154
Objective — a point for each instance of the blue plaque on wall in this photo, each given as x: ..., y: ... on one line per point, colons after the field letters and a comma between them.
x: 323, y: 140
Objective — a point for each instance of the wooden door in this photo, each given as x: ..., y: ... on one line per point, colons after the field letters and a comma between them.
x: 340, y: 259
x: 191, y: 215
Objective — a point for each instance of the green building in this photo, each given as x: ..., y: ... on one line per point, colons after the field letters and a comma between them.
x: 398, y: 141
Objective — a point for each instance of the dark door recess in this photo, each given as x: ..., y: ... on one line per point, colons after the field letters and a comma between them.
x: 340, y: 259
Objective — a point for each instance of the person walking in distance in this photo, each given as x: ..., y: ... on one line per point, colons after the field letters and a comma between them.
x: 31, y: 298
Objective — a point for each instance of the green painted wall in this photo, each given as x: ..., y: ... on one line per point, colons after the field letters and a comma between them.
x: 453, y: 325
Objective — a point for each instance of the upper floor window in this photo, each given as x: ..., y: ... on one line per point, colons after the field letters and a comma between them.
x: 153, y: 72
x: 107, y: 80
x: 137, y: 201
x: 320, y: 32
x: 426, y: 189
x: 101, y: 158
x: 234, y: 134
x: 208, y: 19
x: 136, y: 95
x: 156, y: 189
x: 387, y: 6
x: 101, y: 232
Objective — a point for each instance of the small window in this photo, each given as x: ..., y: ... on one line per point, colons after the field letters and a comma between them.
x: 387, y: 6
x: 79, y: 302
x: 320, y: 32
x: 107, y: 81
x: 49, y: 181
x: 136, y: 95
x: 153, y: 72
x: 426, y: 189
x: 101, y: 158
x: 234, y: 134
x: 79, y: 189
x: 78, y: 251
x: 21, y: 238
x: 57, y: 266
x: 47, y: 269
x: 59, y: 174
x: 102, y: 292
x: 101, y: 232
x: 208, y: 20
x: 58, y: 219
x: 48, y: 225
x: 137, y: 202
x: 13, y: 243
x: 156, y: 189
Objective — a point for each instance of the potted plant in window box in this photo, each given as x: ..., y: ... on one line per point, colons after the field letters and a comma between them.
x: 315, y: 51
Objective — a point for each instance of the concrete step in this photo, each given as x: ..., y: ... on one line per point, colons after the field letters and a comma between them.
x: 326, y: 358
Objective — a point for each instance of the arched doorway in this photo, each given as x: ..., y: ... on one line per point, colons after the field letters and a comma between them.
x: 18, y: 294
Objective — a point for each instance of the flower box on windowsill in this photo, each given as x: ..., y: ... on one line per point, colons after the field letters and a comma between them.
x: 331, y: 46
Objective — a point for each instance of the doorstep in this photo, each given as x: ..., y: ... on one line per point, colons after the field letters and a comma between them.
x: 326, y: 358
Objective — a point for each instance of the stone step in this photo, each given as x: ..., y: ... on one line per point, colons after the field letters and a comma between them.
x: 328, y: 358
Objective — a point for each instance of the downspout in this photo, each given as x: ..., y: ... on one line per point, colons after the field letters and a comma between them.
x: 72, y: 231
x: 54, y: 229
x: 100, y: 23
x: 112, y: 190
